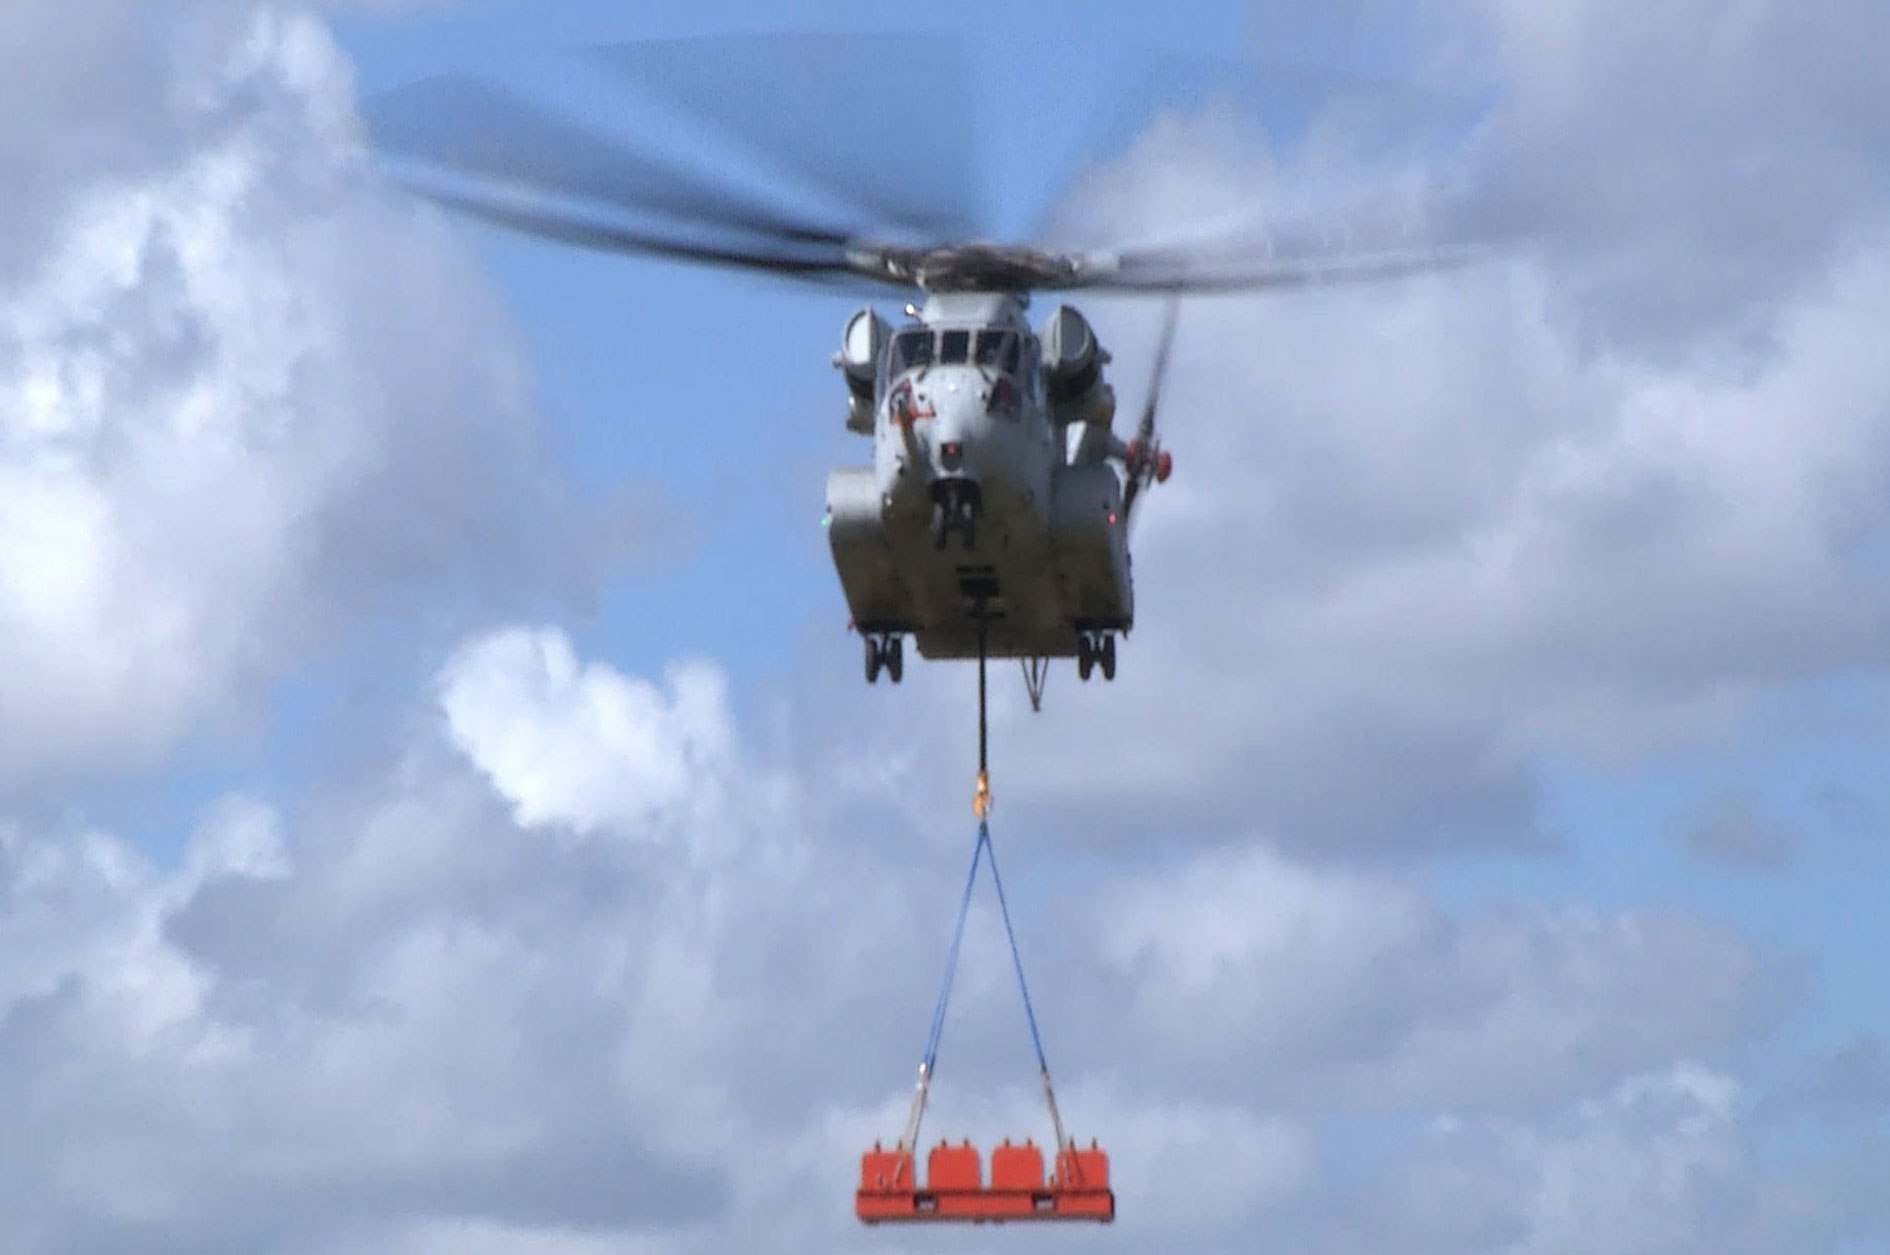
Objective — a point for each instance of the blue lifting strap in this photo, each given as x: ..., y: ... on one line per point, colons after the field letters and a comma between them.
x: 951, y: 956
x: 929, y: 1064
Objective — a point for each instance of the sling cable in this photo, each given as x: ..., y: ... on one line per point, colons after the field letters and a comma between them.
x: 955, y: 1188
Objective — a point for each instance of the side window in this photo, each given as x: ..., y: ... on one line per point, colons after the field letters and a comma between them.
x: 991, y: 345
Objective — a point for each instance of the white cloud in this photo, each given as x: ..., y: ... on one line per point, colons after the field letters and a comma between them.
x: 586, y: 747
x: 1423, y: 535
x: 245, y: 400
x: 1660, y: 1162
x: 1698, y: 170
x: 399, y: 1017
x: 1320, y: 991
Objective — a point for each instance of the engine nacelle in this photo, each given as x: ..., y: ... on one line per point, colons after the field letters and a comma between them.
x: 1072, y: 365
x: 862, y: 344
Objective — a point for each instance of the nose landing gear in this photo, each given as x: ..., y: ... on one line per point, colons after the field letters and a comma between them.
x: 1093, y: 648
x: 885, y: 651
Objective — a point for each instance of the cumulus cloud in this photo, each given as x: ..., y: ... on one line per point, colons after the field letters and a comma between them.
x: 246, y: 399
x: 1591, y: 500
x: 412, y: 1014
x: 1505, y: 1011
x: 1658, y: 1162
x: 1699, y: 170
x: 518, y: 704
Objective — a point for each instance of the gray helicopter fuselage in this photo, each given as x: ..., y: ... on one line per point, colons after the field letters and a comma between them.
x: 986, y: 497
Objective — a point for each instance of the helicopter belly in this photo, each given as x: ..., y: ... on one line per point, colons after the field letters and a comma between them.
x: 1040, y: 582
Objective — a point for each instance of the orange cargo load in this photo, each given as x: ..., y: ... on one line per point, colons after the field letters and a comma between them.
x: 954, y: 1168
x: 1017, y: 1167
x: 954, y: 1188
x: 883, y: 1170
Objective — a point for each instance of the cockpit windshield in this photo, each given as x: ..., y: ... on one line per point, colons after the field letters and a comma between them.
x: 910, y: 349
x: 997, y: 350
x: 918, y: 347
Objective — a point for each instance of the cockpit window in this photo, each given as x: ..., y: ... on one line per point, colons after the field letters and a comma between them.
x: 910, y: 349
x: 954, y: 348
x: 998, y: 350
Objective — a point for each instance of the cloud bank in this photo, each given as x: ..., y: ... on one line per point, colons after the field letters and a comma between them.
x: 248, y: 399
x: 416, y: 1009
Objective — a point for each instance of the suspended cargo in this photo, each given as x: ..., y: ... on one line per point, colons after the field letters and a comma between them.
x: 955, y: 1189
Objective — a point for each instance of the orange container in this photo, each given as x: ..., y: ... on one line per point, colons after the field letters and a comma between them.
x: 882, y: 1170
x: 954, y: 1168
x: 1080, y: 1169
x: 1017, y: 1167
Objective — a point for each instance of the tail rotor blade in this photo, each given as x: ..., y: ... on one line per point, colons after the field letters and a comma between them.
x: 1145, y: 450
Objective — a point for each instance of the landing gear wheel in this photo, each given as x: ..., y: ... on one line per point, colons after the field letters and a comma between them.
x: 940, y: 525
x: 1085, y: 658
x: 968, y: 522
x: 885, y: 652
x: 1108, y: 657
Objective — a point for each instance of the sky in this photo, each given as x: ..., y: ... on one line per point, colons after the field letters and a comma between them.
x: 440, y: 809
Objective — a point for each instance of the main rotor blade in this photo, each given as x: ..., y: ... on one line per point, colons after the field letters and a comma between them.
x: 472, y: 128
x: 1167, y: 270
x: 829, y: 265
x: 882, y: 122
x: 1286, y: 105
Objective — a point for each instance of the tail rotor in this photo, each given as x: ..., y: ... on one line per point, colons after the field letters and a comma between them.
x: 1144, y: 459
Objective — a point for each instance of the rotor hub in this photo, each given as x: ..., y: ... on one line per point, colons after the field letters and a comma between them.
x: 979, y: 266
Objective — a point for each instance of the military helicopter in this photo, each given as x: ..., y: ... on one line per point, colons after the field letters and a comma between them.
x: 994, y: 518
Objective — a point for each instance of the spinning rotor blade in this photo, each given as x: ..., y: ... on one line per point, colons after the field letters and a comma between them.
x: 1305, y: 220
x: 1177, y: 271
x: 881, y: 122
x: 1144, y: 450
x: 1284, y: 113
x: 812, y: 106
x: 831, y: 266
x: 460, y: 126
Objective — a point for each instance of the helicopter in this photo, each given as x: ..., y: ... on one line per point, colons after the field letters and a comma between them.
x: 993, y: 520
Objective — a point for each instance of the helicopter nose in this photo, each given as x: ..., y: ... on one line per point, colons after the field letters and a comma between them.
x: 955, y: 429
